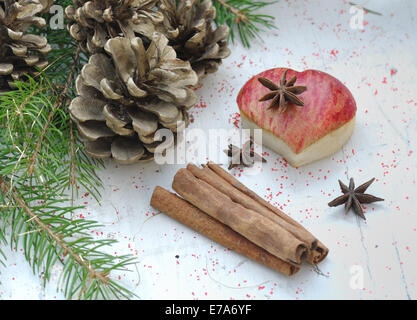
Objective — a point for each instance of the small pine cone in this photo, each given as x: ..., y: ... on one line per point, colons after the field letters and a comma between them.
x: 21, y: 53
x: 93, y: 22
x: 129, y: 92
x: 188, y: 25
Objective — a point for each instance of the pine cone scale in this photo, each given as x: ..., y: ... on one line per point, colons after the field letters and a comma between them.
x: 6, y: 69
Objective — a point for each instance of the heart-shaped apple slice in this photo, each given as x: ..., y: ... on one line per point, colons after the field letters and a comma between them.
x: 301, y: 134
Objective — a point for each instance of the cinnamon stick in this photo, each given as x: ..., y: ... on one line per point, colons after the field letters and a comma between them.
x: 252, y: 225
x: 189, y: 215
x: 315, y: 254
x: 238, y: 196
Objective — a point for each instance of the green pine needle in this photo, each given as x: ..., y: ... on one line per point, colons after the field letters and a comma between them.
x: 241, y: 17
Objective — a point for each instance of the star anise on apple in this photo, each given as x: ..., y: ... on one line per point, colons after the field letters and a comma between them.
x: 352, y: 198
x: 283, y: 93
x: 244, y: 155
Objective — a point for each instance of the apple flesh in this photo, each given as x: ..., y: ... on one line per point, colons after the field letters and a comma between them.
x: 302, y: 134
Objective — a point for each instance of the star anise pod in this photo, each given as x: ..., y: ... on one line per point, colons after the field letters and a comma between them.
x: 283, y: 93
x: 352, y: 198
x: 244, y: 155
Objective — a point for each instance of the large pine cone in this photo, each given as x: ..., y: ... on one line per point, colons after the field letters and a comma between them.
x: 126, y: 95
x: 189, y: 26
x: 93, y: 22
x: 21, y: 53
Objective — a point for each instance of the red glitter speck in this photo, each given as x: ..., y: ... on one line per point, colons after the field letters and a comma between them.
x: 334, y: 52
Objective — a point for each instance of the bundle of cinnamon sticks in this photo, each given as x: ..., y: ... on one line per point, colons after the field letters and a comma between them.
x: 218, y: 206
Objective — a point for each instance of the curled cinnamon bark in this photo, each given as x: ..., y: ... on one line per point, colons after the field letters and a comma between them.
x: 250, y: 224
x: 317, y: 250
x: 237, y: 196
x: 194, y: 218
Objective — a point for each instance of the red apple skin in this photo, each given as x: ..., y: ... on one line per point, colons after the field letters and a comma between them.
x: 328, y: 105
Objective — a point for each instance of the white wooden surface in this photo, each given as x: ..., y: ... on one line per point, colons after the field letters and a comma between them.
x: 378, y: 64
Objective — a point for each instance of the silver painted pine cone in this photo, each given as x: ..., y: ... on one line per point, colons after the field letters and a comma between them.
x: 189, y: 25
x: 20, y: 52
x: 93, y: 22
x: 129, y: 92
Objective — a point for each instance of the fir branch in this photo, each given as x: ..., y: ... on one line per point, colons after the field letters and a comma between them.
x: 48, y: 238
x: 38, y: 152
x: 241, y: 15
x: 57, y: 105
x: 72, y: 179
x: 35, y: 206
x: 6, y: 190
